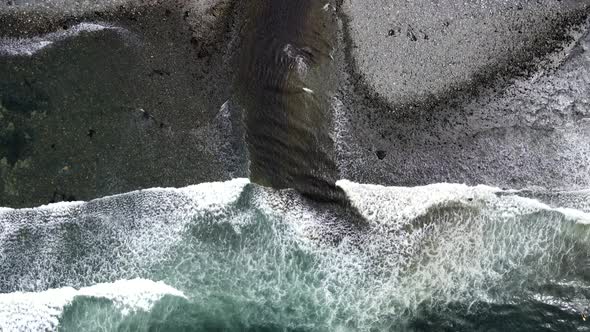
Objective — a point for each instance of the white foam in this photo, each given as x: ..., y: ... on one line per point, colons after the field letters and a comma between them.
x: 30, y: 46
x: 385, y: 204
x: 204, y: 194
x: 394, y: 204
x: 41, y: 311
x: 577, y: 215
x: 514, y: 205
x: 451, y: 242
x: 58, y: 206
x: 132, y: 231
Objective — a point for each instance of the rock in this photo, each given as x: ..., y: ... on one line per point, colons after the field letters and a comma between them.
x: 380, y: 154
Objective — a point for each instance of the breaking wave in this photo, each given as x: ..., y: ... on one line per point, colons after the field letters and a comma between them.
x: 41, y: 311
x: 237, y: 256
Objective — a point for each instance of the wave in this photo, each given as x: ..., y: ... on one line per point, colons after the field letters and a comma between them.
x: 410, y: 203
x: 41, y: 311
x: 246, y: 255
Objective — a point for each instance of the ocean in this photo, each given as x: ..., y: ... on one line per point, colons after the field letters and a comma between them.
x: 234, y: 256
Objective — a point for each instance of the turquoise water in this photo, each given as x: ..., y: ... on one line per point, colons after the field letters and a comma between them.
x: 237, y: 257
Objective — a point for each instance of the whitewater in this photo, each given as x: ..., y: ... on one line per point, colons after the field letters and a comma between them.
x: 237, y: 256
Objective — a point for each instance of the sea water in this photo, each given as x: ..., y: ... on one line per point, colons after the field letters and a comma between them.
x: 234, y: 256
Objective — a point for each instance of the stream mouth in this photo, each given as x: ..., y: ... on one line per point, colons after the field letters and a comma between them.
x: 236, y: 256
x: 285, y: 78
